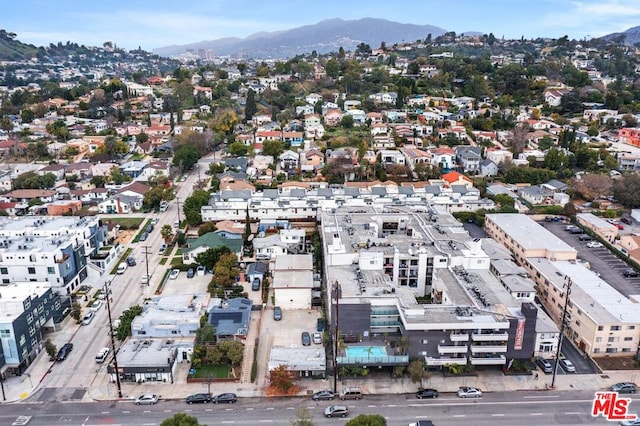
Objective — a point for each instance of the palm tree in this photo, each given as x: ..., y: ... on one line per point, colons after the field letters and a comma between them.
x: 167, y: 233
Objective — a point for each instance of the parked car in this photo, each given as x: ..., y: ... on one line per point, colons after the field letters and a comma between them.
x: 585, y: 237
x: 199, y: 398
x: 623, y: 387
x: 594, y: 244
x: 263, y: 256
x: 174, y: 274
x: 277, y: 313
x: 320, y: 324
x: 317, y: 338
x: 63, y: 353
x: 255, y: 285
x: 154, y: 221
x: 336, y: 411
x: 228, y: 398
x: 567, y: 365
x: 102, y: 355
x: 87, y: 318
x: 469, y: 392
x: 200, y: 270
x: 306, y: 338
x: 427, y: 393
x: 143, y: 237
x: 131, y: 261
x: 630, y: 272
x: 147, y: 399
x: 191, y: 273
x: 323, y: 395
x: 635, y: 422
x: 544, y: 365
x: 163, y: 248
x: 95, y: 306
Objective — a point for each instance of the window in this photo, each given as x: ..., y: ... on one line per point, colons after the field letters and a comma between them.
x: 31, y: 270
x: 626, y: 349
x: 51, y: 270
x: 631, y: 327
x: 613, y: 339
x: 612, y: 350
x: 596, y: 350
x: 598, y: 339
x: 5, y: 333
x: 600, y: 328
x: 615, y: 328
x: 4, y: 271
x: 628, y: 339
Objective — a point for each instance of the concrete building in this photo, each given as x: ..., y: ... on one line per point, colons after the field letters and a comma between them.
x: 171, y: 316
x: 303, y: 362
x: 293, y: 281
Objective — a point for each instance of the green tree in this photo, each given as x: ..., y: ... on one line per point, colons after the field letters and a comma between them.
x: 273, y: 148
x: 206, y: 334
x: 367, y: 420
x: 233, y: 351
x: 207, y: 227
x: 626, y: 190
x: 181, y: 419
x: 250, y: 106
x: 192, y: 206
x: 127, y: 317
x: 117, y: 177
x: 186, y: 156
x: 238, y: 149
x: 167, y: 233
x: 210, y: 257
x: 51, y: 348
x: 76, y: 311
x: 416, y: 371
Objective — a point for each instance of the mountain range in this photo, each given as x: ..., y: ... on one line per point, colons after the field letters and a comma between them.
x: 630, y: 36
x: 325, y: 36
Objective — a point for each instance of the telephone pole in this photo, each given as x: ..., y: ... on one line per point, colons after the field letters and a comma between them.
x: 113, y: 340
x: 567, y: 288
x: 337, y: 290
x: 178, y: 204
x: 146, y: 261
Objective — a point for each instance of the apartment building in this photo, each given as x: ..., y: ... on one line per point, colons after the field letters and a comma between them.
x: 600, y: 320
x: 412, y: 274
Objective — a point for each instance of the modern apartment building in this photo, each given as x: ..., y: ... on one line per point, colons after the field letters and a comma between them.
x: 412, y: 274
x: 600, y: 320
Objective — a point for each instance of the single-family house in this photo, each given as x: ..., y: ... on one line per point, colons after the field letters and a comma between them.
x: 488, y: 168
x: 207, y: 241
x: 289, y: 160
x: 468, y: 157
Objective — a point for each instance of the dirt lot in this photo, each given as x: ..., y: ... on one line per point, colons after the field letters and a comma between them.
x: 124, y: 237
x: 618, y: 363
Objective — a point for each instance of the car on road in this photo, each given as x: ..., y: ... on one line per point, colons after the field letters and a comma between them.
x: 143, y: 237
x: 154, y: 221
x: 567, y: 365
x: 306, y: 338
x: 635, y: 422
x: 162, y: 249
x: 228, y: 398
x: 63, y: 353
x: 427, y: 393
x: 317, y: 338
x: 144, y: 279
x: 95, y: 306
x: 545, y: 365
x: 336, y: 411
x: 255, y: 285
x: 131, y: 261
x: 630, y: 272
x: 147, y: 399
x: 174, y: 274
x: 191, y: 273
x: 623, y: 387
x: 87, y: 318
x: 594, y: 244
x: 199, y: 398
x: 102, y: 355
x: 323, y: 395
x: 277, y: 313
x: 469, y: 392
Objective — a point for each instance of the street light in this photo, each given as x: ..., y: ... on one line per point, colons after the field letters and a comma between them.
x: 113, y: 340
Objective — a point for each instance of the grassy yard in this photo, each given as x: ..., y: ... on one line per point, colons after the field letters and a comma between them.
x: 127, y: 222
x: 176, y: 261
x: 216, y: 371
x: 163, y: 260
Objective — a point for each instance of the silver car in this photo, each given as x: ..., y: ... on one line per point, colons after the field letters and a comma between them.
x: 147, y: 399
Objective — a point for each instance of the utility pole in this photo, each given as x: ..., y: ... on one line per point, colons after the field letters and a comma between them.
x: 336, y: 291
x: 567, y: 288
x: 113, y: 339
x: 178, y: 204
x: 146, y: 261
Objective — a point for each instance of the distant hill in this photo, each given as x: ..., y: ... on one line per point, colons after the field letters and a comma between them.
x: 630, y: 36
x: 323, y: 37
x: 14, y: 50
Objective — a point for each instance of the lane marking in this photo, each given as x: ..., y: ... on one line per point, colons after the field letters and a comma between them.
x: 536, y: 414
x: 573, y: 413
x: 497, y: 415
x: 542, y: 396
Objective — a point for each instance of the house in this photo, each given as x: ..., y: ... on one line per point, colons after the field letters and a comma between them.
x: 415, y: 156
x: 58, y: 170
x: 128, y: 199
x: 392, y: 157
x: 536, y: 195
x: 303, y: 110
x: 312, y: 160
x: 468, y: 157
x: 294, y: 139
x: 231, y: 318
x: 488, y: 168
x: 271, y: 246
x: 230, y: 230
x: 207, y: 241
x: 455, y: 178
x: 63, y: 207
x: 443, y: 158
x: 313, y: 98
x: 25, y: 195
x: 333, y: 117
x: 289, y: 160
x: 293, y: 281
x: 256, y: 270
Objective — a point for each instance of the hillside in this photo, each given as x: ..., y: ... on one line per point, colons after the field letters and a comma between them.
x: 323, y: 37
x: 14, y: 50
x: 630, y: 36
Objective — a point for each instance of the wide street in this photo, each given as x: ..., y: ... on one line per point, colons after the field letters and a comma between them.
x: 496, y: 408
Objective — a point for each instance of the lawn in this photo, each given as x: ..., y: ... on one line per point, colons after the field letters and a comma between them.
x: 163, y: 260
x: 176, y: 261
x: 215, y: 371
x: 127, y: 222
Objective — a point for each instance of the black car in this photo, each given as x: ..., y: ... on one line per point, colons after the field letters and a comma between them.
x: 629, y: 272
x: 199, y: 398
x: 306, y: 339
x: 229, y: 398
x: 427, y: 393
x: 143, y: 237
x: 64, y: 351
x: 131, y: 261
x: 323, y: 395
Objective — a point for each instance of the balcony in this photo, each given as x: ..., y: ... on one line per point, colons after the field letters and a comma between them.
x: 445, y: 361
x: 459, y: 337
x: 62, y: 259
x: 384, y: 312
x: 493, y: 360
x: 490, y: 337
x: 488, y: 349
x: 385, y: 324
x: 452, y: 349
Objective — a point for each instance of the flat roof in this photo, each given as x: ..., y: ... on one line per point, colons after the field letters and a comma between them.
x: 150, y: 352
x: 12, y: 297
x: 292, y: 279
x: 298, y: 358
x: 294, y: 261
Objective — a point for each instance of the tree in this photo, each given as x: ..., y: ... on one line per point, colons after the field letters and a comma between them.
x: 76, y: 310
x: 416, y: 371
x: 186, y: 156
x: 210, y: 257
x: 238, y: 149
x: 250, y: 106
x: 367, y: 420
x: 273, y: 148
x: 207, y: 227
x: 181, y: 419
x: 626, y: 190
x: 593, y: 186
x: 192, y: 206
x: 167, y: 233
x: 281, y: 380
x: 51, y: 348
x: 206, y: 334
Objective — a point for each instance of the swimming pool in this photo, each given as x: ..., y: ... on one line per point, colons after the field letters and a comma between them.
x: 366, y: 351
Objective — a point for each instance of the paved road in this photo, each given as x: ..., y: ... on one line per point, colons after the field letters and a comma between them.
x: 500, y: 408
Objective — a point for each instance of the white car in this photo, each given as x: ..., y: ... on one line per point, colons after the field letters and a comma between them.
x: 594, y: 244
x: 95, y: 306
x: 87, y: 318
x: 201, y: 270
x: 174, y: 274
x: 147, y: 399
x: 469, y: 392
x: 567, y: 365
x: 102, y: 355
x: 317, y: 338
x: 144, y: 279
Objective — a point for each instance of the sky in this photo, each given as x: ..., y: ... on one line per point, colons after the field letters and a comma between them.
x: 151, y: 24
